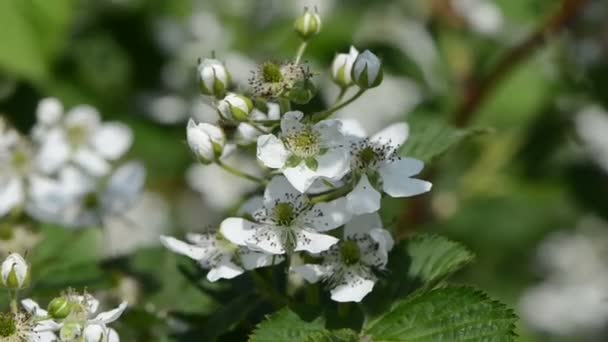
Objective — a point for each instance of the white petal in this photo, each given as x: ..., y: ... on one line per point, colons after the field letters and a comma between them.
x: 279, y: 189
x: 269, y: 239
x: 252, y: 259
x: 247, y: 133
x: 314, y: 242
x: 123, y: 188
x: 112, y: 140
x: 396, y: 181
x: 352, y: 128
x: 238, y: 230
x: 332, y: 215
x: 11, y: 195
x: 251, y: 205
x: 300, y: 176
x: 84, y: 116
x: 92, y: 162
x: 334, y: 164
x: 274, y: 111
x: 49, y: 111
x: 47, y: 325
x: 94, y: 333
x: 227, y: 270
x: 354, y: 290
x: 291, y: 122
x: 310, y: 272
x: 54, y: 152
x: 364, y: 199
x: 362, y: 224
x: 113, y: 336
x: 393, y: 135
x: 180, y: 247
x: 109, y: 316
x: 271, y: 151
x: 199, y: 141
x: 33, y: 308
x: 384, y: 239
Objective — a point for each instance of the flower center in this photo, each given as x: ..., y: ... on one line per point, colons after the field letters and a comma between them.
x: 77, y: 134
x: 284, y: 214
x: 271, y: 73
x: 304, y: 143
x: 367, y: 156
x: 349, y: 252
x: 20, y: 160
x: 8, y: 326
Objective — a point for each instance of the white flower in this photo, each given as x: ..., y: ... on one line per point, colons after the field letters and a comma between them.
x: 80, y: 137
x: 213, y: 77
x: 308, y: 25
x: 247, y: 133
x: 15, y: 271
x: 342, y: 67
x: 287, y: 221
x: 28, y: 326
x: 483, y: 16
x: 349, y: 266
x: 235, y: 107
x: 79, y: 200
x: 16, y: 169
x: 305, y: 152
x: 207, y: 141
x: 592, y: 125
x: 222, y: 258
x: 367, y: 70
x: 377, y: 166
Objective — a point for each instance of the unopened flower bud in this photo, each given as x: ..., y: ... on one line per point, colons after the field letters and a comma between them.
x: 213, y: 77
x: 235, y: 107
x: 308, y: 25
x: 15, y: 272
x: 59, y: 307
x: 207, y: 141
x: 342, y: 67
x: 367, y: 70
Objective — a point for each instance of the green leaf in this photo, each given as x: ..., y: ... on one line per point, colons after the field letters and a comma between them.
x: 431, y: 137
x: 285, y: 325
x: 446, y: 314
x: 434, y: 258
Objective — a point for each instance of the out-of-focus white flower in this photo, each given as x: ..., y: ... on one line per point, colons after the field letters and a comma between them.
x: 222, y: 258
x: 342, y: 66
x: 571, y: 299
x: 213, y: 77
x: 483, y: 16
x: 377, y: 166
x: 226, y: 189
x: 349, y: 266
x: 235, y: 107
x: 15, y: 271
x: 305, y: 152
x: 80, y: 137
x: 207, y: 141
x: 286, y: 221
x: 367, y: 70
x: 308, y: 24
x: 247, y: 133
x: 83, y: 200
x: 21, y: 239
x: 592, y: 127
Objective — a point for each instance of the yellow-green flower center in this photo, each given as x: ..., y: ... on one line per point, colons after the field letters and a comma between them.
x: 367, y: 156
x: 20, y: 160
x: 349, y: 252
x: 77, y: 134
x: 271, y: 73
x: 304, y: 143
x: 284, y: 214
x: 8, y: 326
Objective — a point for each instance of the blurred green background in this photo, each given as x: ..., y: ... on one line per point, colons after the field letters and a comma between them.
x: 526, y: 195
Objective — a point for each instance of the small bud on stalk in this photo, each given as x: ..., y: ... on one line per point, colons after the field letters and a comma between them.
x: 59, y: 307
x: 342, y: 67
x: 15, y: 272
x: 367, y: 70
x: 235, y: 107
x: 207, y: 141
x: 213, y: 77
x: 308, y: 25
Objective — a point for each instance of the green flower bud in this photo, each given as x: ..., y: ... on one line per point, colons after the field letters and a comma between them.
x: 60, y: 307
x: 367, y: 70
x: 15, y: 272
x: 213, y: 77
x: 308, y: 25
x: 235, y: 107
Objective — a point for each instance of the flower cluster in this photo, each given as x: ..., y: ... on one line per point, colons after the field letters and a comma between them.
x: 324, y: 177
x: 70, y: 317
x: 66, y: 171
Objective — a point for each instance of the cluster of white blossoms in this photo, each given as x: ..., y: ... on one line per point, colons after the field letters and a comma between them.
x: 71, y: 317
x: 324, y: 177
x: 67, y: 170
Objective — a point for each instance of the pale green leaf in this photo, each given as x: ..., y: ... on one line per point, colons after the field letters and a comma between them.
x: 446, y: 314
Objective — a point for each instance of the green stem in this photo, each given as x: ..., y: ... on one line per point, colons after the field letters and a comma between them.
x: 324, y: 115
x: 301, y: 50
x: 343, y: 309
x: 14, y: 306
x: 236, y: 172
x: 267, y: 290
x: 331, y: 194
x: 341, y: 94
